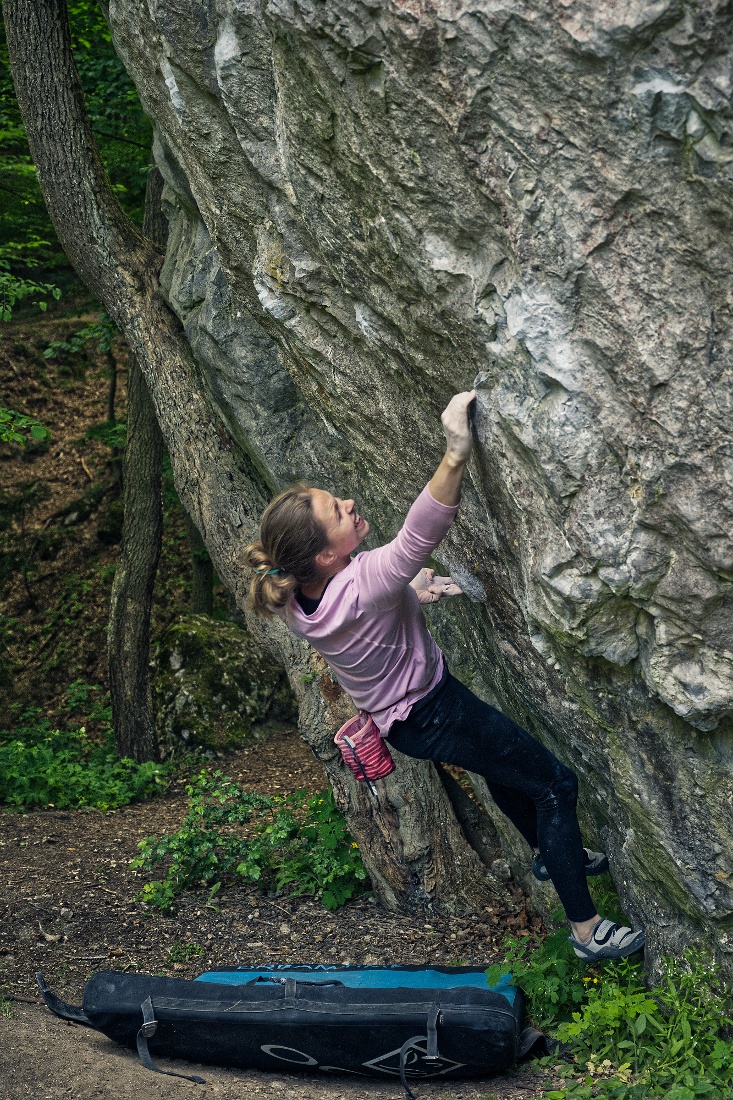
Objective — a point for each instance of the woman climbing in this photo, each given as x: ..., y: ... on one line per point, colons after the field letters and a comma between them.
x: 363, y: 615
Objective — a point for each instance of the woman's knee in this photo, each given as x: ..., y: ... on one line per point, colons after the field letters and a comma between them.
x: 563, y: 787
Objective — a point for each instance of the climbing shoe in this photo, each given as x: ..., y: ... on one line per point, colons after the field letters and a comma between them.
x: 595, y: 864
x: 608, y: 941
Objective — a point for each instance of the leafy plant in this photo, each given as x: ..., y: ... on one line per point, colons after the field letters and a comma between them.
x: 549, y: 972
x: 112, y: 433
x: 184, y: 952
x: 101, y: 332
x: 43, y: 766
x: 13, y: 288
x: 17, y: 428
x: 668, y: 1039
x: 230, y: 833
x: 627, y: 1042
x: 122, y: 132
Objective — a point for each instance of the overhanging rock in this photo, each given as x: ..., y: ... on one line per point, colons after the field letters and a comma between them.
x: 373, y: 204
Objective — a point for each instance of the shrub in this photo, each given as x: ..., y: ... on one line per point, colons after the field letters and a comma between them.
x: 627, y: 1042
x: 549, y: 972
x: 668, y: 1040
x: 67, y: 769
x: 230, y: 833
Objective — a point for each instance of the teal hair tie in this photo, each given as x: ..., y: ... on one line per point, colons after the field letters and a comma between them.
x: 270, y: 571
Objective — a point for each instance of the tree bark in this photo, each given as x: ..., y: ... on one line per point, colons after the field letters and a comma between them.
x: 410, y: 839
x: 128, y: 637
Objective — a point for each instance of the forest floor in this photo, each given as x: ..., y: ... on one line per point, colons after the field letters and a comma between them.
x: 69, y: 910
x: 68, y: 898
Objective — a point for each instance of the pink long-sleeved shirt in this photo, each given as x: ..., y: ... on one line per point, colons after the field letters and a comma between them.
x: 369, y: 625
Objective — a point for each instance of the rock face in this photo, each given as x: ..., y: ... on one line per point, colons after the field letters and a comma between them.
x: 213, y: 687
x: 372, y: 205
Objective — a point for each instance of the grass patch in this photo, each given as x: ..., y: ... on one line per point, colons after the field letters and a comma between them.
x: 184, y: 952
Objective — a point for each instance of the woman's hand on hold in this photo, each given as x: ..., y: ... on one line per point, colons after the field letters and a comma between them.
x: 457, y: 427
x: 445, y: 484
x: 430, y: 588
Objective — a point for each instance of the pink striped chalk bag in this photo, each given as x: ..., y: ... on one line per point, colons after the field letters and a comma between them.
x: 364, y: 749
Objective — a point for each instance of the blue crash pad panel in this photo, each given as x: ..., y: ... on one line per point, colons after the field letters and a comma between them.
x: 368, y: 977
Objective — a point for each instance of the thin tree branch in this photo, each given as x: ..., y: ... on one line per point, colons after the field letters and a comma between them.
x: 117, y: 137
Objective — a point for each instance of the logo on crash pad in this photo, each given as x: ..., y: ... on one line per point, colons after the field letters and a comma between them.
x: 417, y: 1063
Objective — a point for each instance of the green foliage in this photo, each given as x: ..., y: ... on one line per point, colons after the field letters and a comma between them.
x: 111, y: 433
x: 6, y: 1006
x: 551, y: 975
x: 66, y: 768
x: 14, y: 288
x: 16, y: 428
x: 123, y: 136
x: 669, y: 1039
x: 231, y: 833
x: 101, y: 332
x: 184, y: 952
x: 122, y: 132
x: 627, y: 1042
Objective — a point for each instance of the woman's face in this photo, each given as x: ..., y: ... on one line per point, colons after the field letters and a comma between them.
x: 345, y: 528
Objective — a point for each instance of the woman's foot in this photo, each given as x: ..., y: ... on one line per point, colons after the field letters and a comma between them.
x: 596, y: 863
x: 607, y: 941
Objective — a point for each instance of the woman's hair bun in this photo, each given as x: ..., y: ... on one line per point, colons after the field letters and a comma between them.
x: 271, y: 587
x: 283, y: 558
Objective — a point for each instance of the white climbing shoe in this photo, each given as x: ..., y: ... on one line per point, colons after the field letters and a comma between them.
x: 596, y: 863
x: 609, y: 941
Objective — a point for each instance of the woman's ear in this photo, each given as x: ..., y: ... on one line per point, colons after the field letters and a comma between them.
x: 325, y: 558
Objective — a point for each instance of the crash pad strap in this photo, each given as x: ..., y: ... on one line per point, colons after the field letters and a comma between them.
x: 61, y: 1008
x: 431, y: 1048
x: 146, y: 1032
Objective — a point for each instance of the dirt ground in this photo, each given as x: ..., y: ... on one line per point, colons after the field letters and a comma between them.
x: 68, y: 909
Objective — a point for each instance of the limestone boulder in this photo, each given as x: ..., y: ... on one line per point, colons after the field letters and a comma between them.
x: 374, y: 205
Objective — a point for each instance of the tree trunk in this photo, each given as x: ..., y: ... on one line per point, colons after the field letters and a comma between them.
x: 132, y: 592
x: 128, y: 638
x: 412, y: 844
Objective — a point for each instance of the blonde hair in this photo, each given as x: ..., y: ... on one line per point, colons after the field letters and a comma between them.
x: 283, y: 558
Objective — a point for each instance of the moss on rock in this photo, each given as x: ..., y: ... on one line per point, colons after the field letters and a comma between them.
x: 214, y: 687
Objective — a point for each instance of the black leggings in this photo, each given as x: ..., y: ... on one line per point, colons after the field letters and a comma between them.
x: 535, y: 791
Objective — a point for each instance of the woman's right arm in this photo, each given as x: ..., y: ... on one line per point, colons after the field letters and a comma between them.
x: 385, y: 572
x: 445, y: 484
